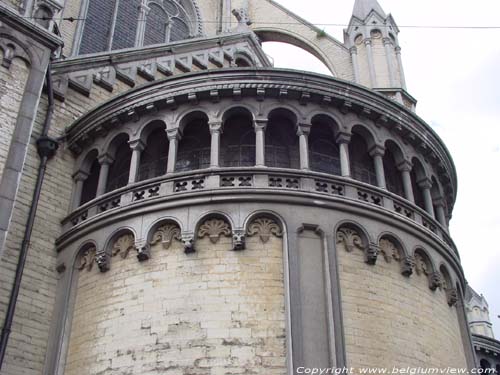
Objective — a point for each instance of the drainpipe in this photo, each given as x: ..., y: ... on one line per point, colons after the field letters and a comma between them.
x: 46, y: 148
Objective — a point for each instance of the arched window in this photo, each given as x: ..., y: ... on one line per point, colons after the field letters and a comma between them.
x: 194, y: 147
x: 362, y: 167
x: 323, y: 150
x: 417, y: 174
x: 155, y: 155
x: 484, y: 364
x: 238, y: 140
x: 498, y: 369
x: 120, y: 169
x: 393, y: 178
x: 282, y: 146
x: 118, y: 24
x: 89, y: 190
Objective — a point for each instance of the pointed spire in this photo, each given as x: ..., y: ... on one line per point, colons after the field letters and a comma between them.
x: 362, y: 8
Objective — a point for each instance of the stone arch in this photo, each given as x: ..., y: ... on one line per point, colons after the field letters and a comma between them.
x: 238, y: 138
x: 92, y: 168
x: 149, y: 126
x: 164, y: 231
x: 324, y: 153
x: 393, y: 248
x: 291, y: 112
x: 121, y: 242
x: 245, y: 108
x: 13, y: 48
x: 264, y: 224
x: 281, y: 141
x: 214, y: 225
x: 243, y: 59
x: 85, y: 256
x: 194, y: 146
x: 154, y: 156
x: 120, y: 152
x: 392, y: 159
x: 271, y: 34
x: 352, y: 236
x: 85, y: 160
x: 360, y: 146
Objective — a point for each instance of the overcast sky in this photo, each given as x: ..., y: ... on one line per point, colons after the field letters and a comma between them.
x: 455, y: 76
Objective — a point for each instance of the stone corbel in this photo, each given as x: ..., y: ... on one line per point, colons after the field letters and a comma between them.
x: 452, y: 296
x: 238, y: 239
x: 143, y: 250
x: 103, y: 261
x: 371, y: 253
x: 188, y: 241
x: 407, y: 264
x: 434, y: 281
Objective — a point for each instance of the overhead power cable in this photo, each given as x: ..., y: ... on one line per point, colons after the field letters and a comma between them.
x: 319, y: 25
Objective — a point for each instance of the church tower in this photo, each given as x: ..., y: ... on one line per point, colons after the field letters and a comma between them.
x: 372, y: 39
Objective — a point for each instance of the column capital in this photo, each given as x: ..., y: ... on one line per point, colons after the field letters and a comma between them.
x: 353, y: 50
x: 260, y: 124
x: 80, y: 176
x: 215, y: 126
x: 377, y: 150
x: 137, y: 145
x: 387, y: 41
x: 105, y: 159
x: 438, y: 202
x: 343, y: 137
x: 397, y: 49
x: 405, y: 166
x: 368, y: 41
x: 425, y: 183
x: 174, y: 134
x: 303, y: 129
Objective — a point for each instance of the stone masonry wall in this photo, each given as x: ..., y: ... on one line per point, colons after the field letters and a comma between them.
x: 216, y: 311
x: 12, y: 84
x: 391, y: 320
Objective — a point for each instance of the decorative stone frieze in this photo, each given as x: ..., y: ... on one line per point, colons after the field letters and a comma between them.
x: 214, y: 229
x: 264, y: 227
x: 350, y: 238
x: 166, y: 234
x: 123, y: 245
x: 87, y: 259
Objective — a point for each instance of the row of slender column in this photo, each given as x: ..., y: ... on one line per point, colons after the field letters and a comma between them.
x: 303, y: 130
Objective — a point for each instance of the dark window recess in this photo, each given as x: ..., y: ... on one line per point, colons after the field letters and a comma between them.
x: 282, y: 147
x: 154, y: 157
x: 89, y: 190
x: 238, y: 142
x: 194, y: 147
x: 362, y: 167
x: 156, y: 26
x: 97, y: 29
x: 179, y: 29
x: 126, y: 24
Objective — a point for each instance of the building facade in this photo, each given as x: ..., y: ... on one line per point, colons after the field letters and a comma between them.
x: 173, y: 204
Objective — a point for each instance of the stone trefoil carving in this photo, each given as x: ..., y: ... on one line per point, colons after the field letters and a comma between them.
x: 350, y: 238
x: 87, y: 259
x: 165, y: 235
x: 214, y: 229
x: 264, y: 227
x: 123, y: 245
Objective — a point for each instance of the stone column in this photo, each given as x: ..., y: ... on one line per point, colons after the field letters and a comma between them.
x: 215, y: 132
x: 377, y: 153
x: 260, y: 142
x: 137, y: 146
x: 371, y: 65
x: 440, y: 214
x: 79, y: 178
x: 400, y: 65
x: 174, y: 136
x: 113, y: 25
x: 405, y: 169
x: 105, y: 161
x: 390, y: 66
x: 343, y: 140
x: 426, y: 185
x: 355, y: 64
x: 303, y: 131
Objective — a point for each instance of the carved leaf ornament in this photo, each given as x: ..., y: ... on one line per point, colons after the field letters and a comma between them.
x: 123, y: 245
x: 389, y: 250
x: 87, y: 259
x: 350, y: 238
x: 165, y: 235
x: 264, y: 227
x: 214, y: 228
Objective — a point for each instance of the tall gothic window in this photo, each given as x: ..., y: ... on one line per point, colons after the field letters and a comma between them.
x: 118, y: 24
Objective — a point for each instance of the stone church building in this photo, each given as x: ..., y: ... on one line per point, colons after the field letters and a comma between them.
x: 171, y: 203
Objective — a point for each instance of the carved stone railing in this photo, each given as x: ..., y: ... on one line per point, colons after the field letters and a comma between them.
x: 273, y: 180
